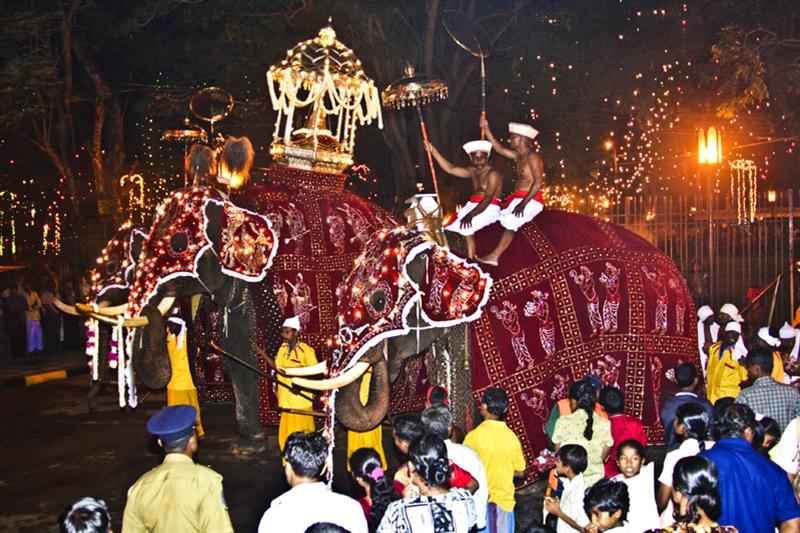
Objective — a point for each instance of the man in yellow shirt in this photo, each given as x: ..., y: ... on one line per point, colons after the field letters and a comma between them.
x: 764, y: 340
x: 724, y: 374
x: 501, y: 454
x: 292, y: 354
x: 177, y: 495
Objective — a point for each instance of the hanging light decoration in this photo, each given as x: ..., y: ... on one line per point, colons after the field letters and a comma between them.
x: 325, y: 75
x: 744, y: 188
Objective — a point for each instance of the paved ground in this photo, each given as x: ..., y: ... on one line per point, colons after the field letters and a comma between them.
x: 55, y: 452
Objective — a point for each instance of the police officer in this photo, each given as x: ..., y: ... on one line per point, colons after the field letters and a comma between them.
x: 177, y: 495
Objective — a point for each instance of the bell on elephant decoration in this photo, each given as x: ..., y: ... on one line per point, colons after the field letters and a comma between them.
x: 325, y: 76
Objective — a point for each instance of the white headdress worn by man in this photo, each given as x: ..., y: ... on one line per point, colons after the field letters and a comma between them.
x: 478, y: 146
x: 787, y: 332
x: 518, y: 128
x: 732, y: 311
x: 292, y: 322
x: 704, y: 312
x: 733, y: 326
x: 766, y: 336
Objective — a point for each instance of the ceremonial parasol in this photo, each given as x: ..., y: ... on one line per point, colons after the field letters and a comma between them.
x: 416, y: 90
x: 211, y: 104
x: 470, y: 36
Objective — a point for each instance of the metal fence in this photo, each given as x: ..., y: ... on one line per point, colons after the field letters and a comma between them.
x: 721, y: 256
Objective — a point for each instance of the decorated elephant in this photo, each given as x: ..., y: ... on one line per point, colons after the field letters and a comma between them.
x: 572, y: 296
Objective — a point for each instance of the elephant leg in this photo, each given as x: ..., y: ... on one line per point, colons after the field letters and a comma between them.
x: 238, y: 341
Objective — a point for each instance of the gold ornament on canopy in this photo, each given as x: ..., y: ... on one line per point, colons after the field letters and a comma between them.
x: 325, y: 75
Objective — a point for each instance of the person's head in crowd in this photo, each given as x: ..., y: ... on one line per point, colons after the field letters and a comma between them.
x: 731, y: 333
x: 759, y: 363
x: 536, y: 527
x: 630, y: 457
x: 582, y: 396
x: 735, y: 421
x: 606, y: 503
x: 406, y: 429
x: 766, y: 339
x: 686, y: 376
x: 706, y: 315
x: 728, y: 313
x: 692, y: 422
x: 200, y: 164
x: 695, y: 491
x: 428, y: 463
x: 438, y: 421
x: 722, y: 402
x: 612, y: 400
x: 788, y: 336
x: 494, y: 403
x: 437, y: 395
x: 87, y: 515
x: 571, y: 460
x: 766, y: 433
x: 325, y: 527
x: 596, y: 384
x: 306, y: 455
x: 365, y: 466
x: 174, y: 426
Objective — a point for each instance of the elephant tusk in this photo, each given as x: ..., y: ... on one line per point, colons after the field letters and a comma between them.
x: 64, y: 308
x: 135, y: 322
x: 111, y: 310
x: 166, y: 304
x: 301, y: 371
x: 333, y: 383
x: 138, y: 321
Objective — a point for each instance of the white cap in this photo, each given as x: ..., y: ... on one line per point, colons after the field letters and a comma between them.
x: 733, y: 326
x: 478, y: 146
x: 787, y: 331
x: 732, y: 311
x: 704, y: 312
x: 292, y: 322
x: 522, y: 129
x: 764, y: 335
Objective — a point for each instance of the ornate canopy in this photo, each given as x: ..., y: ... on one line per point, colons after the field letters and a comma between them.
x: 325, y: 75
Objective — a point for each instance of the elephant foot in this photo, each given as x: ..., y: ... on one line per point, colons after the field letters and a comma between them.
x: 247, y: 447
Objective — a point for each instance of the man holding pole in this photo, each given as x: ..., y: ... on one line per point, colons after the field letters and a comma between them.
x: 483, y: 208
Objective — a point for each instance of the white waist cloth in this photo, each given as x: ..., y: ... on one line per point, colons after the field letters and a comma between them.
x: 510, y: 221
x: 487, y: 217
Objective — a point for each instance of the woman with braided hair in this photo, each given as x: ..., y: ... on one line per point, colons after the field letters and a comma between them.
x: 696, y: 496
x: 438, y: 508
x: 582, y: 427
x: 367, y: 470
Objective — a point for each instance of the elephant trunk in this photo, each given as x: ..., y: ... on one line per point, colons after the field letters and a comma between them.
x: 150, y: 357
x: 352, y: 413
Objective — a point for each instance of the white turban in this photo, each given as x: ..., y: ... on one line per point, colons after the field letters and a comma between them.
x: 478, y: 146
x: 787, y: 331
x: 765, y: 336
x: 704, y: 312
x: 733, y: 326
x: 292, y: 322
x: 732, y: 311
x: 522, y: 129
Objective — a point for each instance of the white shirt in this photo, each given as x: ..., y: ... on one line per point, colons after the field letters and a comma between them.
x: 785, y: 452
x: 466, y: 459
x: 643, y: 512
x: 306, y: 504
x: 571, y: 504
x: 688, y: 448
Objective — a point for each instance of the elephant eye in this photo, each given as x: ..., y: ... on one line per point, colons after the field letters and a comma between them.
x: 178, y: 243
x: 378, y: 300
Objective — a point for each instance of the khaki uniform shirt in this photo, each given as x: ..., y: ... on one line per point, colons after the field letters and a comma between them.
x: 177, y: 495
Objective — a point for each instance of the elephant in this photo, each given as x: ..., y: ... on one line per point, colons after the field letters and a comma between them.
x: 573, y: 296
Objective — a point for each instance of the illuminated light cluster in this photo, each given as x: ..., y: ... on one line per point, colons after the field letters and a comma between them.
x: 744, y: 189
x: 113, y: 261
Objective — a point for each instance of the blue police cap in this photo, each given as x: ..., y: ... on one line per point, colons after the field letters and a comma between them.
x: 172, y: 423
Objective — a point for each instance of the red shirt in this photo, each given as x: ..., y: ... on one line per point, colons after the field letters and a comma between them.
x: 623, y: 427
x: 461, y: 478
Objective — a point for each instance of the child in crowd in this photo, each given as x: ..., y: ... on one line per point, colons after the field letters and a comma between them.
x: 767, y: 435
x: 568, y: 509
x: 606, y: 503
x: 691, y: 428
x: 366, y: 468
x: 640, y: 479
x: 584, y: 428
x: 87, y: 515
x: 623, y: 427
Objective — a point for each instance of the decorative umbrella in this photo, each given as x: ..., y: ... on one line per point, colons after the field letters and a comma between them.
x: 470, y: 36
x: 416, y: 90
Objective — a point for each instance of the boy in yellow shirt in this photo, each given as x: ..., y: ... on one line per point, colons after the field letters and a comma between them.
x: 725, y: 374
x: 501, y: 454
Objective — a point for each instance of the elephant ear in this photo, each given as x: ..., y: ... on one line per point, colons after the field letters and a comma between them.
x: 453, y: 291
x: 243, y: 240
x: 117, y: 261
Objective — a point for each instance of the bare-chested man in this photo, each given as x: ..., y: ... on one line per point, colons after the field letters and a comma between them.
x: 526, y: 202
x: 483, y: 207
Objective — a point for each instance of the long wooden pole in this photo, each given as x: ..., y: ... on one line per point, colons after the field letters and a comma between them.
x: 428, y: 150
